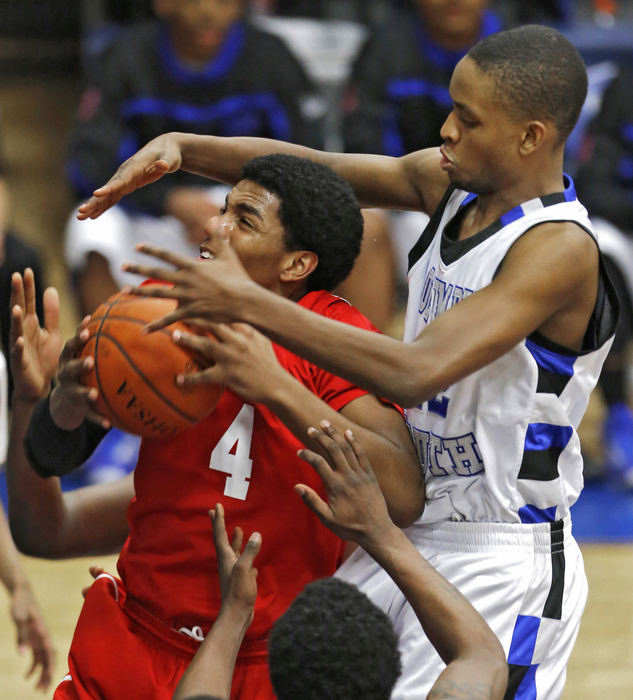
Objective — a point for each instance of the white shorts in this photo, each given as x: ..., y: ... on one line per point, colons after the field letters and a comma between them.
x: 527, y: 581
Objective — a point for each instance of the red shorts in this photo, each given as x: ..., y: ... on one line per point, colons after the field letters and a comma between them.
x: 120, y: 651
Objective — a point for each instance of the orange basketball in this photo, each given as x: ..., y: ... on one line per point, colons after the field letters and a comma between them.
x: 135, y: 372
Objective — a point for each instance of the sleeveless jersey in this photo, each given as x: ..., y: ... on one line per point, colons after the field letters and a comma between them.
x: 501, y: 444
x: 245, y: 458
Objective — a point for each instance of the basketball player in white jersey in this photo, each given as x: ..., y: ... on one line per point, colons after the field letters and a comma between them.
x: 510, y: 317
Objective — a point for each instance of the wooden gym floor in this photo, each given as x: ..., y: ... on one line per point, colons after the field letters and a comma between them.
x: 35, y: 117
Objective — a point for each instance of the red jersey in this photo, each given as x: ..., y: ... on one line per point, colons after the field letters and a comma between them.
x: 244, y: 457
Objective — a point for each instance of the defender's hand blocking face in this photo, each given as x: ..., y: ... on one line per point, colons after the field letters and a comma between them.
x: 356, y: 509
x: 208, y: 289
x: 159, y: 157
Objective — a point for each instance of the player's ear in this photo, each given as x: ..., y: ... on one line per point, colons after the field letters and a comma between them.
x: 533, y: 136
x: 298, y: 265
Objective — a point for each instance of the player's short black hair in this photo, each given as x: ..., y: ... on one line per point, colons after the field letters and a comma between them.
x: 538, y: 74
x: 318, y: 210
x: 333, y: 643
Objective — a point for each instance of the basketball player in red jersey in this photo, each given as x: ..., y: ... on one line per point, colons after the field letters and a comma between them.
x: 297, y: 228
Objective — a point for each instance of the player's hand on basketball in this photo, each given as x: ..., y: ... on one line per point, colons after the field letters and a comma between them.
x: 238, y: 577
x: 32, y: 633
x: 71, y: 402
x: 240, y: 357
x: 355, y: 509
x: 213, y: 289
x: 157, y: 158
x: 34, y: 350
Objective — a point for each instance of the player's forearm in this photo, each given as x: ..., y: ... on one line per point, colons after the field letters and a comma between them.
x: 11, y: 572
x: 378, y: 181
x: 450, y: 622
x: 222, y: 158
x: 381, y: 365
x: 36, y: 509
x: 47, y: 523
x: 211, y: 670
x: 393, y: 458
x: 477, y: 678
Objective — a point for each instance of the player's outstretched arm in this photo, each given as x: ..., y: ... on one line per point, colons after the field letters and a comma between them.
x: 31, y: 630
x: 356, y: 511
x: 414, y: 181
x: 550, y: 273
x: 210, y: 673
x: 44, y: 521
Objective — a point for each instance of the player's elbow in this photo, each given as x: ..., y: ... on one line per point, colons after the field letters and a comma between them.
x: 409, y: 506
x: 34, y: 542
x: 492, y: 661
x: 499, y: 675
x: 23, y: 538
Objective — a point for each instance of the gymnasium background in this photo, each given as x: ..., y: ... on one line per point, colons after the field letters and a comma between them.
x: 39, y: 88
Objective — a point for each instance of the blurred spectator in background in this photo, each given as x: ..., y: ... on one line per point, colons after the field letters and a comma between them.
x: 15, y: 256
x: 605, y: 182
x: 200, y: 67
x: 396, y: 102
x: 558, y: 13
x: 398, y: 96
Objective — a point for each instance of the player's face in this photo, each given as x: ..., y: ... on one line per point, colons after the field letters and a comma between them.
x: 480, y: 139
x: 250, y: 219
x: 199, y: 26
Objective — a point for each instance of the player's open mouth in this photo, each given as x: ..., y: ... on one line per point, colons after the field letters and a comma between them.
x: 206, y: 254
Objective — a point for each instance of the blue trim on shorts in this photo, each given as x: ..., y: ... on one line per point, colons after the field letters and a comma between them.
x: 543, y: 436
x: 531, y: 514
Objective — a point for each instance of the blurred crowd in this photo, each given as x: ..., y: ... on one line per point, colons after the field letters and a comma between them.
x: 369, y: 76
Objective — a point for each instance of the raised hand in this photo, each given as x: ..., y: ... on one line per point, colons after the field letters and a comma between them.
x: 33, y: 350
x: 160, y: 156
x: 205, y: 289
x: 355, y: 508
x: 32, y: 633
x: 238, y: 577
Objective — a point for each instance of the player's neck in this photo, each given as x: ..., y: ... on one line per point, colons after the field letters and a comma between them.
x: 489, y: 207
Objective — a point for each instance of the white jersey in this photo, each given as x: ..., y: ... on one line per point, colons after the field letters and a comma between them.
x: 501, y: 445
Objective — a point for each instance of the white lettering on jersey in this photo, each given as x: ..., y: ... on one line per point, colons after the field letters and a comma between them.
x: 443, y: 456
x: 231, y: 454
x: 438, y: 296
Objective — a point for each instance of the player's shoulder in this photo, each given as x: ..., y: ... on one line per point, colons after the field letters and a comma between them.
x: 567, y: 250
x: 335, y: 307
x: 567, y: 238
